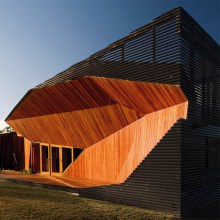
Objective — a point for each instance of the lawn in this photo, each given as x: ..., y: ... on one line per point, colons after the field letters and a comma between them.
x: 25, y: 202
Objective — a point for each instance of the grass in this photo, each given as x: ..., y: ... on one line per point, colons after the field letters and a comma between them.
x: 25, y: 202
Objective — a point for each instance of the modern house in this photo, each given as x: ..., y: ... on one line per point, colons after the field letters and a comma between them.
x: 139, y: 119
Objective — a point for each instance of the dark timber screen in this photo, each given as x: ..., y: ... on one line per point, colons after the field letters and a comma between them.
x: 172, y: 49
x: 11, y: 152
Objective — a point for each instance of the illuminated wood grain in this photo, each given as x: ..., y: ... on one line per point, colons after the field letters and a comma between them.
x: 27, y: 152
x: 115, y: 158
x: 93, y: 92
x: 79, y: 128
x: 118, y: 122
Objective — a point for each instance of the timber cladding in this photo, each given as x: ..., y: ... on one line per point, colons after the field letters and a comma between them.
x: 174, y: 176
x: 118, y: 122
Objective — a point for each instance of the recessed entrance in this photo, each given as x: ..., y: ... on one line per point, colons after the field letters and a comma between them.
x: 54, y: 159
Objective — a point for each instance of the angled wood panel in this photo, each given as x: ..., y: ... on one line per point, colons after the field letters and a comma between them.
x: 115, y: 158
x: 79, y: 128
x: 82, y: 112
x: 93, y: 92
x: 63, y: 97
x: 118, y: 122
x: 143, y: 97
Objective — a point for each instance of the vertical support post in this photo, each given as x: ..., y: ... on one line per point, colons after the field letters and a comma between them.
x: 60, y: 159
x: 27, y: 153
x: 50, y: 158
x: 40, y: 158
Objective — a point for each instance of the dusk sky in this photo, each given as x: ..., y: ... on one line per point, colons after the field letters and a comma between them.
x: 40, y: 38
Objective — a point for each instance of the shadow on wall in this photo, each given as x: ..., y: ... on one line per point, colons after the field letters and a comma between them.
x: 209, y: 212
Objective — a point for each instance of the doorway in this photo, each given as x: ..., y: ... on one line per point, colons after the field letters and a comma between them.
x: 55, y: 162
x: 55, y: 159
x: 44, y: 159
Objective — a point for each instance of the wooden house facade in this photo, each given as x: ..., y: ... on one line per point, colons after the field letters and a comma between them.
x: 142, y: 116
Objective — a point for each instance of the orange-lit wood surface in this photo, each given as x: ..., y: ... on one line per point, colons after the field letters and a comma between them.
x: 50, y: 180
x: 27, y: 152
x: 115, y: 158
x: 92, y: 92
x: 78, y: 128
x: 118, y: 122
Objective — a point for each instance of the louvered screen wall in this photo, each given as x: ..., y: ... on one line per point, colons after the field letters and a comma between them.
x: 156, y: 182
x: 200, y: 80
x: 149, y: 54
x: 171, y: 49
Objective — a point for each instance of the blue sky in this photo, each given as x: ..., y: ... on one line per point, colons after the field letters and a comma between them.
x: 39, y: 38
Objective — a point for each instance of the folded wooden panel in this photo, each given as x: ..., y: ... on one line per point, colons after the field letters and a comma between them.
x: 82, y: 112
x: 118, y: 122
x: 69, y: 96
x: 93, y: 92
x: 143, y: 97
x: 79, y: 128
x: 115, y: 158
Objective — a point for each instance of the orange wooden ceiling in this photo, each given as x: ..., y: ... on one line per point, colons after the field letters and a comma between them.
x: 117, y: 121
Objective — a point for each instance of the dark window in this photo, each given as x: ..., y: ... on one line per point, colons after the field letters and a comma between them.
x: 214, y: 153
x: 77, y: 152
x: 66, y: 157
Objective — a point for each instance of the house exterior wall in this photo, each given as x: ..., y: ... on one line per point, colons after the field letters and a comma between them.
x: 156, y: 182
x: 200, y: 81
x: 172, y: 49
x: 150, y: 54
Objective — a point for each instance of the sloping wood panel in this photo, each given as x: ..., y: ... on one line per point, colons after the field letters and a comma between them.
x: 117, y: 131
x: 79, y: 128
x: 140, y: 96
x: 93, y: 92
x: 83, y: 128
x: 115, y: 158
x: 63, y: 97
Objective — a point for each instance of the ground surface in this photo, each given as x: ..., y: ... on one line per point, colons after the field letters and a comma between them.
x: 26, y: 202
